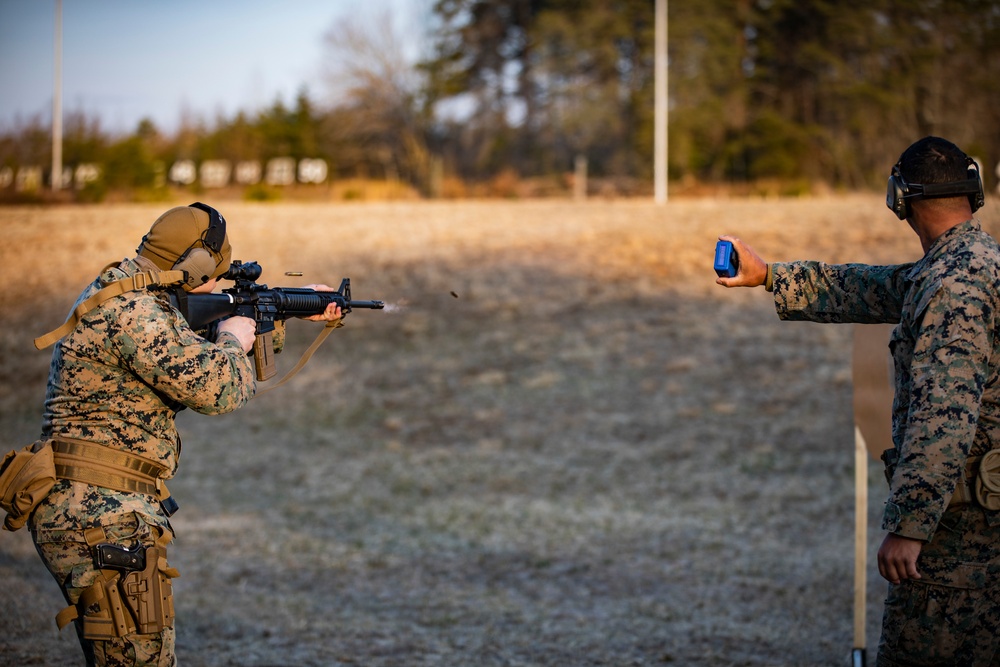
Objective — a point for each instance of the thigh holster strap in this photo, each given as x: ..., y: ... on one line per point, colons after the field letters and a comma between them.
x: 124, y: 603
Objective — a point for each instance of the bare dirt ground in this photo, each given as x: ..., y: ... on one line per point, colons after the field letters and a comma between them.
x: 589, y: 454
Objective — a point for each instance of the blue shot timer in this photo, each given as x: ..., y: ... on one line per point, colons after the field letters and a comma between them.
x: 727, y: 262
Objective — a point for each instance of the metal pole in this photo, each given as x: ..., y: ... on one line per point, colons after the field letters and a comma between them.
x: 57, y: 128
x: 660, y: 106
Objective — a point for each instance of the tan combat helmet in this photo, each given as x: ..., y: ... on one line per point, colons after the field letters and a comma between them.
x: 191, y: 239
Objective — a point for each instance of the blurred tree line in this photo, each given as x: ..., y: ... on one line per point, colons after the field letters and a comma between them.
x: 797, y: 94
x: 822, y: 91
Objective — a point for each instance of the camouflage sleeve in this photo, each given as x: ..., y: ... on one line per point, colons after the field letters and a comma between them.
x: 838, y: 293
x: 156, y: 344
x: 947, y: 378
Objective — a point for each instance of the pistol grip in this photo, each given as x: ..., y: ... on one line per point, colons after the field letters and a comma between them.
x: 263, y: 357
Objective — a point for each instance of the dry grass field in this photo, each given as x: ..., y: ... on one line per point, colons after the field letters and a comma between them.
x: 561, y: 445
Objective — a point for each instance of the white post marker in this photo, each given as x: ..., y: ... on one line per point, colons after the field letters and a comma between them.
x: 873, y: 391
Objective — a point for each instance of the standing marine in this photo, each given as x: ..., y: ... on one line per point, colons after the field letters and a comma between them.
x: 941, y: 551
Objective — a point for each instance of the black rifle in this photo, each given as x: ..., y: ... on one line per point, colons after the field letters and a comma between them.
x: 262, y: 304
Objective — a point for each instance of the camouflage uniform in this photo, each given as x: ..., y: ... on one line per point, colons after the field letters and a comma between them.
x: 119, y: 380
x: 946, y: 352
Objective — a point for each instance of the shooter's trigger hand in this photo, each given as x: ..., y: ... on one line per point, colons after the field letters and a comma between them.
x: 752, y: 269
x: 243, y: 328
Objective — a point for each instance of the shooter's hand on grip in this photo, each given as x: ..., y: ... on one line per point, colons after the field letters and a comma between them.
x: 752, y: 269
x: 244, y: 328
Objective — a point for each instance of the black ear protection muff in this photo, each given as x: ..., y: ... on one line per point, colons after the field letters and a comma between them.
x: 899, y: 193
x: 199, y: 260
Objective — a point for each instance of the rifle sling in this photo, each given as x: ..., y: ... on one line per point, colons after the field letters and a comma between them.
x: 130, y: 284
x: 306, y: 356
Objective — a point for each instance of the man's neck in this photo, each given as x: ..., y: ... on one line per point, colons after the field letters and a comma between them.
x: 929, y: 228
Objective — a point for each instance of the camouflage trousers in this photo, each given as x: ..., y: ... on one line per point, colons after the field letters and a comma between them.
x: 950, y: 616
x: 69, y: 559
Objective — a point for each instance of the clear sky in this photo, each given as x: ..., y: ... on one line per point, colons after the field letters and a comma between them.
x: 124, y: 60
